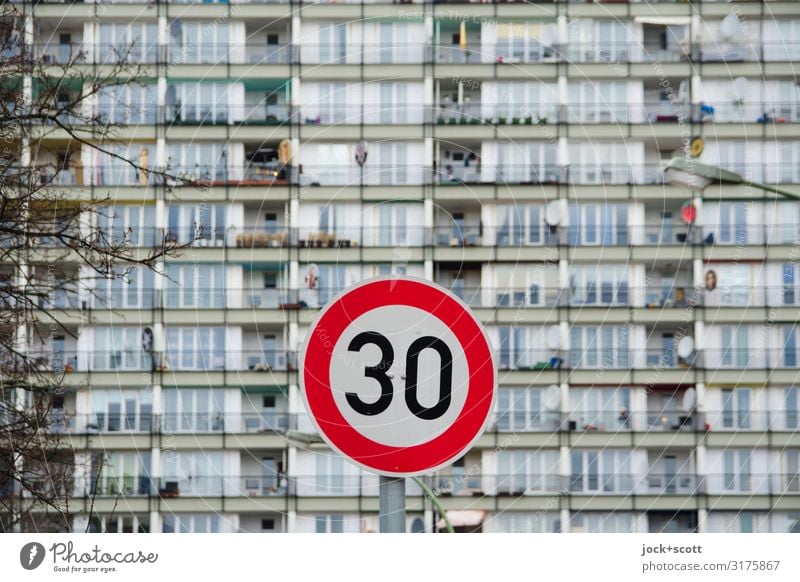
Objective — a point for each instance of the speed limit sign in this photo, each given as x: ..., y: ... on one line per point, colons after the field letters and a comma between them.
x: 398, y: 376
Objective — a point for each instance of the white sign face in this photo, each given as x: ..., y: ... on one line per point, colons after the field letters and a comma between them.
x: 398, y: 375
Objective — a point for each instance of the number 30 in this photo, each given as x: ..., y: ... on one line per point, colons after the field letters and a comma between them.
x: 379, y: 373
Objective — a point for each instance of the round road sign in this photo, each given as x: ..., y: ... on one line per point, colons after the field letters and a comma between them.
x: 398, y: 375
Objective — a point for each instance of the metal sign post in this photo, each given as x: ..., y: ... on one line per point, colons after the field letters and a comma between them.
x: 392, y: 504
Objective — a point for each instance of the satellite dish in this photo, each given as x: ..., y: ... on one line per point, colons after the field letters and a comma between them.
x: 552, y: 215
x: 685, y: 347
x: 689, y: 400
x: 554, y: 337
x: 551, y: 398
x: 740, y: 86
x: 730, y: 27
x: 696, y: 146
x: 549, y: 34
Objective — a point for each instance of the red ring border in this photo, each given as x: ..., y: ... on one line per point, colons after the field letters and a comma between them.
x: 315, y: 377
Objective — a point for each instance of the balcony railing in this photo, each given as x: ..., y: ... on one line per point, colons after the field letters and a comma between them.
x: 475, y: 52
x: 529, y: 421
x: 447, y: 173
x: 464, y: 236
x: 135, y: 360
x: 470, y: 113
x: 364, y: 485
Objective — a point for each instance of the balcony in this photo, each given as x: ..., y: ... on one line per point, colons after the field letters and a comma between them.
x: 366, y: 113
x: 54, y: 53
x: 210, y: 360
x: 515, y: 485
x: 217, y: 114
x: 670, y: 484
x: 172, y: 423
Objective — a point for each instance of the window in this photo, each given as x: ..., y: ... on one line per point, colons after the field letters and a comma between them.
x: 116, y: 167
x: 119, y: 524
x: 523, y: 348
x: 598, y: 102
x: 197, y: 285
x: 330, y: 478
x: 600, y: 471
x: 198, y: 161
x: 782, y: 40
x: 603, y: 285
x: 605, y: 163
x: 329, y: 523
x: 193, y: 473
x: 196, y: 348
x: 396, y: 44
x: 598, y: 225
x: 195, y: 523
x: 521, y: 472
x: 332, y: 43
x: 524, y: 522
x: 394, y: 104
x: 201, y: 225
x: 603, y: 41
x: 119, y: 348
x: 117, y: 410
x: 602, y: 409
x: 736, y: 408
x: 194, y: 409
x: 783, y: 97
x: 734, y: 285
x: 127, y: 42
x: 332, y: 104
x: 520, y: 409
x: 399, y: 225
x: 129, y: 104
x: 198, y: 42
x: 791, y: 471
x: 791, y: 401
x: 533, y: 285
x: 127, y: 224
x: 122, y: 474
x: 734, y: 352
x: 522, y: 163
x: 603, y: 347
x: 393, y: 166
x: 199, y: 102
x: 736, y: 470
x: 739, y: 522
x: 128, y: 288
x: 790, y: 289
x: 597, y: 522
x: 791, y: 337
x: 728, y: 224
x: 330, y: 282
x: 520, y: 43
x: 520, y: 225
x: 524, y: 101
x: 786, y: 224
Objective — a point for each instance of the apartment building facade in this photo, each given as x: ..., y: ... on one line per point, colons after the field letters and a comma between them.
x: 511, y: 152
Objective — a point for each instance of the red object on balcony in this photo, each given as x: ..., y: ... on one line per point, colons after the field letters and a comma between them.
x: 689, y: 213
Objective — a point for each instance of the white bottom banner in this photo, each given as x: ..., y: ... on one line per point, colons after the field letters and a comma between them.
x: 358, y: 557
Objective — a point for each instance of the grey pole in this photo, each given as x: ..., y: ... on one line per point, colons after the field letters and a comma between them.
x: 392, y: 504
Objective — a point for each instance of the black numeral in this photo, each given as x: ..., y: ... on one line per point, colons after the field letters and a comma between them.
x: 445, y: 378
x: 380, y: 373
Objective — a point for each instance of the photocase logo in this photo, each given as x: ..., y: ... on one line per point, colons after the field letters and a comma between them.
x: 31, y: 555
